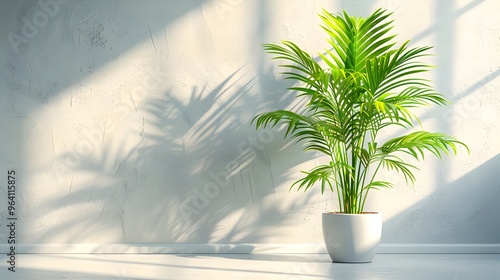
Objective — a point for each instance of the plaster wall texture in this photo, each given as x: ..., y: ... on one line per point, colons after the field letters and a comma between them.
x: 128, y: 122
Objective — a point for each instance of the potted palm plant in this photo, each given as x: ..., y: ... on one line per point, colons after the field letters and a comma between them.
x: 363, y: 84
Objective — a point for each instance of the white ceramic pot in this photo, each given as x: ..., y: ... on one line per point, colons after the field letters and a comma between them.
x: 352, y: 238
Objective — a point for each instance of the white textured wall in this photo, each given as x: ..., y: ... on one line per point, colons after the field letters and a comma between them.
x: 128, y: 122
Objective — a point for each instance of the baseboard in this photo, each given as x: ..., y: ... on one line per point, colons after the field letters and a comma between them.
x: 439, y: 249
x: 241, y: 249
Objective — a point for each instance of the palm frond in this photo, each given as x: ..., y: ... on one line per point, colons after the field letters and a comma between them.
x: 362, y: 85
x: 355, y: 39
x: 417, y: 143
x: 394, y: 163
x: 321, y: 173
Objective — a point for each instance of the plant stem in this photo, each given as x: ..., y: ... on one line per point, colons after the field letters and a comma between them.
x: 371, y: 181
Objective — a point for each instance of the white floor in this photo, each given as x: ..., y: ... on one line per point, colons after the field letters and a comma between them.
x: 251, y: 266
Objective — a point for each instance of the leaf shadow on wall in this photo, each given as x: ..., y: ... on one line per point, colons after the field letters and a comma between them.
x: 466, y: 217
x: 190, y: 169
